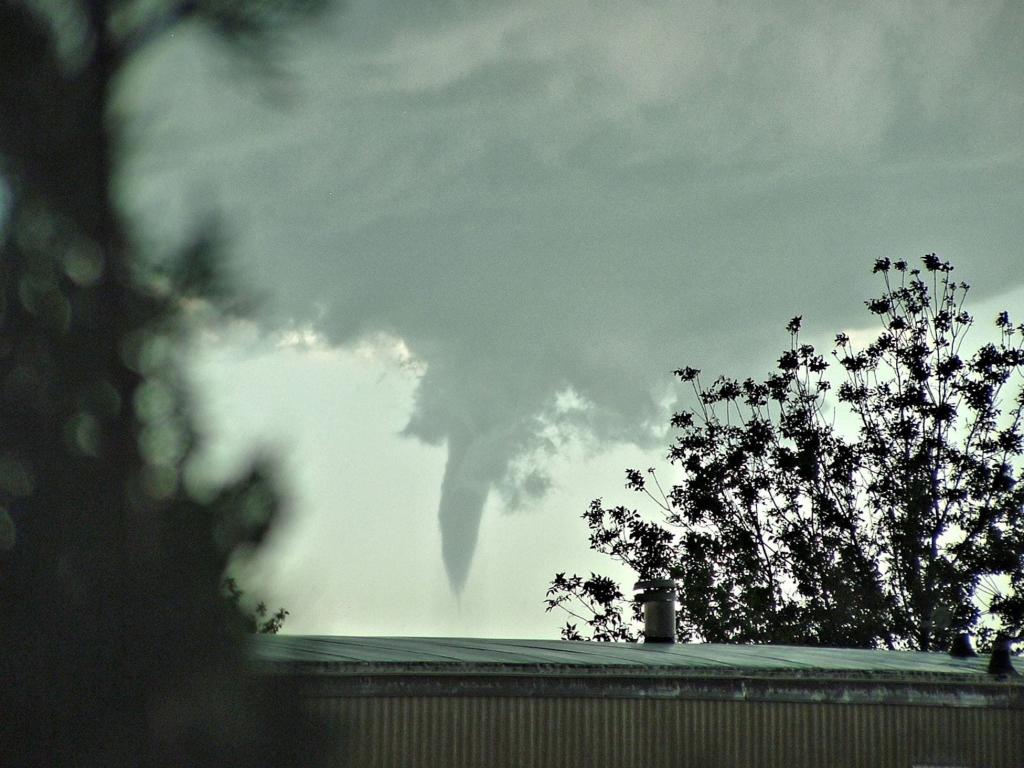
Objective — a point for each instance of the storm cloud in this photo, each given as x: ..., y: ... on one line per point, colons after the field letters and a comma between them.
x: 554, y: 204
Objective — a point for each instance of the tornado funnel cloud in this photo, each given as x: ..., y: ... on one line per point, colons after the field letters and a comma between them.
x: 463, y: 494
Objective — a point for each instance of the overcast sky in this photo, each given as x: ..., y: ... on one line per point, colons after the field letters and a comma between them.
x: 485, y: 233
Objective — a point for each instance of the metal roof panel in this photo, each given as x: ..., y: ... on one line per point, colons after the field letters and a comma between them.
x: 406, y: 651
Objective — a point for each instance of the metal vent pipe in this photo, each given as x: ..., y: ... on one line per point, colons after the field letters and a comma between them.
x: 962, y: 648
x: 1001, y: 661
x: 658, y: 597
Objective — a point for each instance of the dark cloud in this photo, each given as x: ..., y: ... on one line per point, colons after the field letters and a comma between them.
x: 577, y: 197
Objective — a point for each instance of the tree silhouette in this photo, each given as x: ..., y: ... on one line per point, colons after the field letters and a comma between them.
x: 117, y: 647
x: 789, y: 525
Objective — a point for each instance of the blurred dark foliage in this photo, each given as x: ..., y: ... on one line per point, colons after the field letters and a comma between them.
x: 117, y: 646
x: 256, y: 622
x: 784, y: 529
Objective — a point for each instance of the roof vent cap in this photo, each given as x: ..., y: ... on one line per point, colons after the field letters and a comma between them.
x: 1001, y: 663
x: 658, y: 597
x: 962, y: 648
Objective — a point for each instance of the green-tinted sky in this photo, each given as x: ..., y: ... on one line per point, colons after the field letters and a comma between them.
x: 552, y: 205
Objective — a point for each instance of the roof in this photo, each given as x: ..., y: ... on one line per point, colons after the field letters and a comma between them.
x: 425, y: 666
x: 411, y: 652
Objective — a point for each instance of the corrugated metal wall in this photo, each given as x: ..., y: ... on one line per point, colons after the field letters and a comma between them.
x: 494, y: 732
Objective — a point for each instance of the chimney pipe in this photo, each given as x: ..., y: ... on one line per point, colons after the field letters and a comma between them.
x: 659, y: 601
x: 1001, y: 663
x: 962, y: 648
